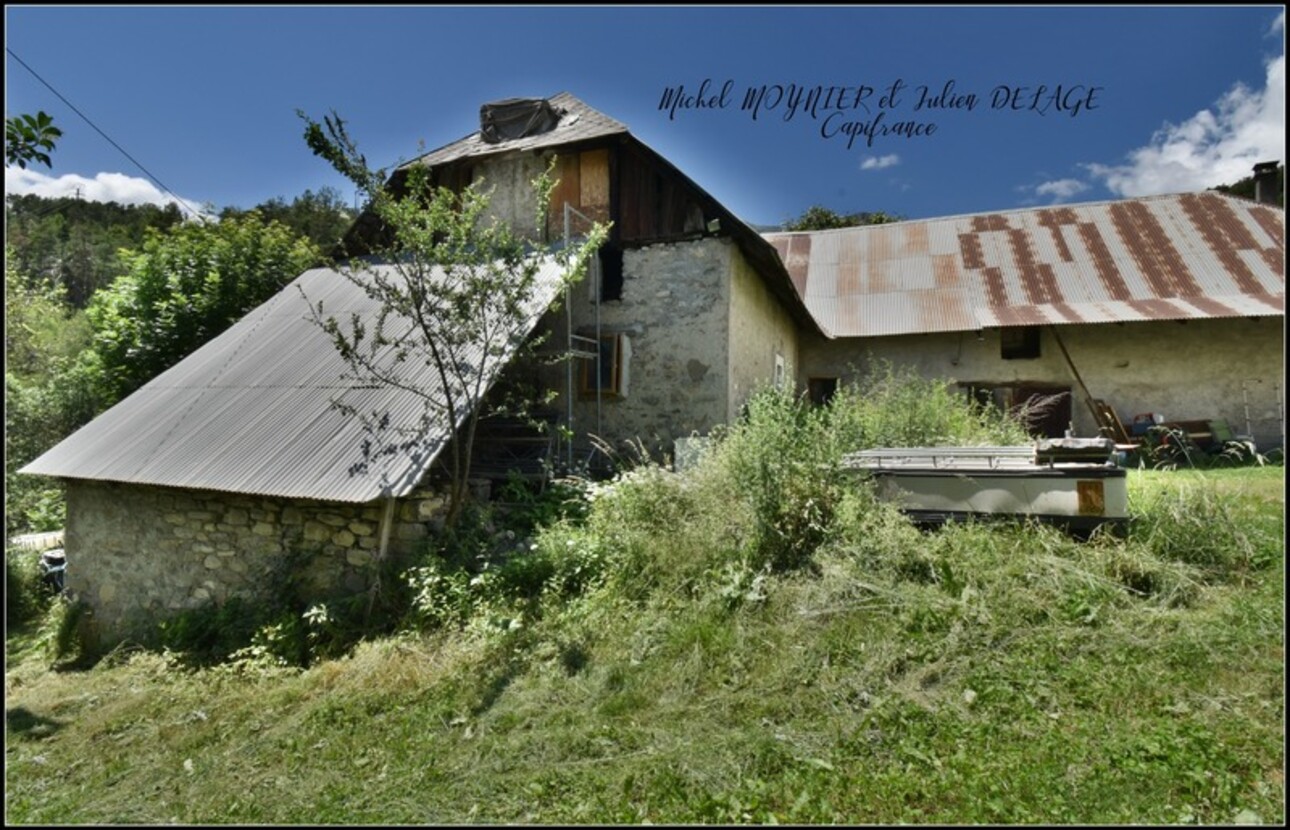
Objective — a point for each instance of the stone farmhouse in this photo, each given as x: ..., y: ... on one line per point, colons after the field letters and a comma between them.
x: 230, y: 464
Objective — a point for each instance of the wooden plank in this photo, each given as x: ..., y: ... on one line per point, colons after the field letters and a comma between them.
x: 594, y: 179
x: 629, y: 200
x: 567, y: 189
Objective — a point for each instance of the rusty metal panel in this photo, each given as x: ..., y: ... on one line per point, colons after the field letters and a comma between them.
x: 1175, y: 257
x: 945, y: 268
x: 917, y: 242
x: 795, y: 266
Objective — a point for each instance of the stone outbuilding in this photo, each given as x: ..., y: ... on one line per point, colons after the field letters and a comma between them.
x: 236, y: 464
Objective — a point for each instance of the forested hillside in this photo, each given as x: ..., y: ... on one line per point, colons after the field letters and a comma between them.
x: 101, y: 297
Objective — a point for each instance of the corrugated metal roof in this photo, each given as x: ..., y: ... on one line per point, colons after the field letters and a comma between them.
x: 1184, y: 256
x: 251, y: 411
x: 579, y: 122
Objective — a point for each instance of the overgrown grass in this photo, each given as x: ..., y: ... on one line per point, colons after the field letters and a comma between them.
x: 756, y: 640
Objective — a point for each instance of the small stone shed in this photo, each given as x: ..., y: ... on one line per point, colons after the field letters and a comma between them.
x: 236, y: 463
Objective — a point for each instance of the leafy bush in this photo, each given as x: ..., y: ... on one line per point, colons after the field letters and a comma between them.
x: 564, y: 563
x: 893, y: 407
x: 780, y: 460
x: 530, y: 505
x: 24, y: 597
x: 184, y: 286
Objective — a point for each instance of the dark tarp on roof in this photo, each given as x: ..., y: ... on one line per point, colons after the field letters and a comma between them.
x: 516, y: 118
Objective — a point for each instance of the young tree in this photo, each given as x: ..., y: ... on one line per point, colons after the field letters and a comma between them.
x: 458, y: 293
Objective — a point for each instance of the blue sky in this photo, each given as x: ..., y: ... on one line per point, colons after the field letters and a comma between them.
x: 1182, y: 98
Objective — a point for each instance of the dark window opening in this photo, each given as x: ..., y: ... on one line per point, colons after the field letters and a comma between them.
x: 1044, y: 410
x: 982, y: 397
x: 822, y: 390
x: 611, y: 274
x: 1020, y: 343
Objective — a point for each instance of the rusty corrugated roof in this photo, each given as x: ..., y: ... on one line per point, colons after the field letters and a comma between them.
x: 1185, y: 256
x: 251, y: 411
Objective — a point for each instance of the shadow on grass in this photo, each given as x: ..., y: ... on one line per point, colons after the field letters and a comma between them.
x: 22, y: 723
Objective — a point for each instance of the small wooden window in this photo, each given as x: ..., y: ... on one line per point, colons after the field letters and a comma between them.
x: 611, y: 382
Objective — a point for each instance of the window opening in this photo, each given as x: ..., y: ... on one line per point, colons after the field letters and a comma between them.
x: 611, y: 380
x: 822, y: 390
x: 1019, y: 343
x: 611, y: 273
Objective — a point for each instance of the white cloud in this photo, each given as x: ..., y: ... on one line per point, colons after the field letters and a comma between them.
x: 1061, y: 189
x: 105, y: 187
x: 1278, y: 25
x: 880, y: 162
x: 1215, y: 146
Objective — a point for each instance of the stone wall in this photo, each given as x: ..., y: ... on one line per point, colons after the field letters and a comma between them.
x: 508, y: 180
x: 675, y: 312
x: 702, y: 328
x: 1200, y: 369
x: 138, y: 554
x: 761, y: 334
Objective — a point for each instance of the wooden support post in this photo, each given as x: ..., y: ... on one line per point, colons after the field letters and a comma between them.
x: 1088, y: 396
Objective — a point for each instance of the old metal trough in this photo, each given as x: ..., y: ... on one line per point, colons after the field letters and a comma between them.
x: 1069, y: 482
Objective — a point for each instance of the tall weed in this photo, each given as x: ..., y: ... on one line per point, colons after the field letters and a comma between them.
x: 893, y: 407
x: 1187, y: 521
x: 779, y: 459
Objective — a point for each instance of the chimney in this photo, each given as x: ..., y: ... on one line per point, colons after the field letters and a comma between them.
x: 1267, y: 183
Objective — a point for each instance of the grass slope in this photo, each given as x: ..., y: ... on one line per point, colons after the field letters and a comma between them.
x: 686, y: 656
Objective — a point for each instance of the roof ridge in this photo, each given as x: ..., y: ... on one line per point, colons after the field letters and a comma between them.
x: 1035, y: 208
x: 591, y: 121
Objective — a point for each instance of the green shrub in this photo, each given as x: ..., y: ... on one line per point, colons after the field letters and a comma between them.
x: 24, y: 596
x: 530, y: 505
x: 779, y: 459
x: 211, y: 633
x: 892, y: 407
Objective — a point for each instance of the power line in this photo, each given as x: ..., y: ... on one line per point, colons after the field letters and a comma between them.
x: 105, y: 135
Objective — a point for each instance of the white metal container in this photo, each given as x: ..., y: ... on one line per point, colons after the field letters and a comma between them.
x: 938, y: 484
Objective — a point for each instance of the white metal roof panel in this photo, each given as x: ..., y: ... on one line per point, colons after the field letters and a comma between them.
x: 252, y: 410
